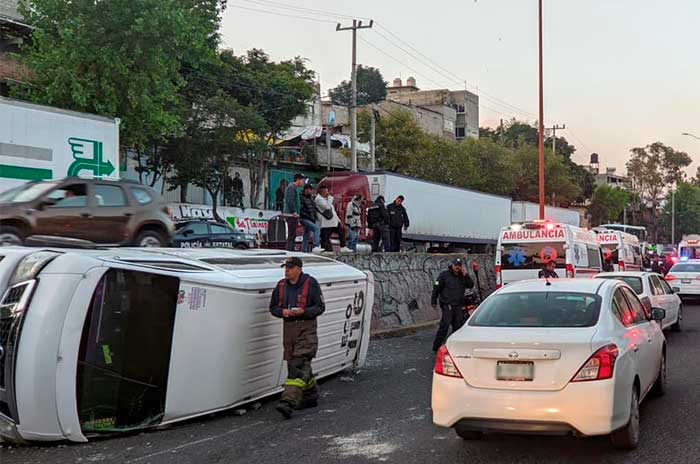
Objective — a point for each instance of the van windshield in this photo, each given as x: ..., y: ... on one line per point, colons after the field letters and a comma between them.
x: 690, y: 252
x: 528, y: 256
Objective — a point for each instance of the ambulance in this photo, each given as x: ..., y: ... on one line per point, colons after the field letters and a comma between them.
x: 524, y: 250
x: 96, y: 342
x: 689, y: 248
x: 621, y: 251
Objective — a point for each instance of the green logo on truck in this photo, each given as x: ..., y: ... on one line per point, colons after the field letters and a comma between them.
x: 88, y: 157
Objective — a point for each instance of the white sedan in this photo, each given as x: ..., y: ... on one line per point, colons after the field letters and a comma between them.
x: 653, y: 287
x: 684, y: 277
x: 569, y: 356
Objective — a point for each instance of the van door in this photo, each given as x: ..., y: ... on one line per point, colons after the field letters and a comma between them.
x: 124, y: 357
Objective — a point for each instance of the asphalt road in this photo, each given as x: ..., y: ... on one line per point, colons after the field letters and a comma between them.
x: 382, y: 414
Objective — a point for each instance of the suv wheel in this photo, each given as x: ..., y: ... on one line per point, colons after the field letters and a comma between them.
x: 150, y: 239
x: 10, y: 235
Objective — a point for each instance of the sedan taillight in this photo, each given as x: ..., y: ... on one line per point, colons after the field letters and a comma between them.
x: 669, y: 278
x: 445, y: 365
x: 600, y: 366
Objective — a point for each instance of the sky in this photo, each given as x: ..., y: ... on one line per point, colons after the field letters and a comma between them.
x: 618, y: 73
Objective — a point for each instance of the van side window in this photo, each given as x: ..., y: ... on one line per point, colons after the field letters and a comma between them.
x: 593, y: 256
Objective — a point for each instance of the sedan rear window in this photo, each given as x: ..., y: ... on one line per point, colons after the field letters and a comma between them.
x: 686, y: 267
x: 538, y: 309
x: 634, y: 282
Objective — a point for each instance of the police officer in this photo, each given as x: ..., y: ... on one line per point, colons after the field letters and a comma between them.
x: 298, y: 300
x: 450, y: 288
x: 549, y: 271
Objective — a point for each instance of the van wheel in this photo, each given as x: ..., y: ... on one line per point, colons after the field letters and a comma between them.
x: 678, y: 326
x: 11, y: 236
x: 628, y: 436
x: 150, y: 239
x: 469, y: 434
x: 659, y: 387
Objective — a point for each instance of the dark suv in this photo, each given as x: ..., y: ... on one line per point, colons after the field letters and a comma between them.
x: 101, y: 211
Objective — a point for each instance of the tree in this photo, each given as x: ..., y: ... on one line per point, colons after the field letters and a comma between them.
x: 118, y: 58
x: 607, y: 204
x: 398, y: 138
x: 371, y: 88
x: 651, y: 169
x: 687, y: 204
x: 560, y: 188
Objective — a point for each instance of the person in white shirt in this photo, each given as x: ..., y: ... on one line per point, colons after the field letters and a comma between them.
x: 328, y: 220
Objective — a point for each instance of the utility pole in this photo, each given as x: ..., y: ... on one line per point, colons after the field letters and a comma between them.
x: 673, y: 216
x: 373, y: 149
x: 554, y: 130
x: 353, y: 103
x: 541, y: 125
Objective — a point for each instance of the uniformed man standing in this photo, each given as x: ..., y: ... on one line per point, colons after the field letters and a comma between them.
x: 298, y: 300
x: 450, y: 289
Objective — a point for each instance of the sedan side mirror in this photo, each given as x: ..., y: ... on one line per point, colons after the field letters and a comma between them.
x: 658, y: 314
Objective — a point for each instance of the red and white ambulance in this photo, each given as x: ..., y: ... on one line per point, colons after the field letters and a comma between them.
x: 621, y: 251
x: 524, y: 250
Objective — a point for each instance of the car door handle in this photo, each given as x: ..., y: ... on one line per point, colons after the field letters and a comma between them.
x: 86, y: 215
x: 636, y: 348
x: 128, y: 214
x: 649, y: 340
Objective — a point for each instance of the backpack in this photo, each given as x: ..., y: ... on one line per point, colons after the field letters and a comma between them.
x: 374, y: 216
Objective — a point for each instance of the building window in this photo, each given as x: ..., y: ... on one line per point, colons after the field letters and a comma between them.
x: 459, y: 108
x: 460, y: 132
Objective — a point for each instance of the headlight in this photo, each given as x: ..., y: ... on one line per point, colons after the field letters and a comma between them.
x: 30, y: 266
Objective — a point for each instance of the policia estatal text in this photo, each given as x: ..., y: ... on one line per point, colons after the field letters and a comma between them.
x: 298, y: 300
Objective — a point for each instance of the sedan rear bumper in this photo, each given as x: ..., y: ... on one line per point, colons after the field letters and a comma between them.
x: 685, y: 289
x: 586, y: 408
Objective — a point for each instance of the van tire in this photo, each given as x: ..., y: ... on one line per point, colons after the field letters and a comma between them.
x: 10, y: 235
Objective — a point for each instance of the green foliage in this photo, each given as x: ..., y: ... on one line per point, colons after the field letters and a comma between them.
x: 559, y: 186
x: 117, y: 58
x: 687, y: 204
x: 651, y: 170
x: 608, y: 204
x: 371, y: 88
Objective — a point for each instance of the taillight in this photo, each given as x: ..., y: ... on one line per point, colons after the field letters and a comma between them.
x: 600, y: 366
x: 570, y: 271
x: 670, y: 278
x: 445, y: 365
x: 622, y: 266
x: 499, y: 277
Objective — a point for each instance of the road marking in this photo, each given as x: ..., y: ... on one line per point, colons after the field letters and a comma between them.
x: 194, y: 443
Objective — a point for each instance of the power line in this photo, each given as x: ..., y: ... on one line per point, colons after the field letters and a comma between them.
x: 432, y: 65
x: 282, y: 14
x: 305, y: 10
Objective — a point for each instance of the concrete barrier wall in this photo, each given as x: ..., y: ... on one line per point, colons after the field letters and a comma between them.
x: 404, y: 282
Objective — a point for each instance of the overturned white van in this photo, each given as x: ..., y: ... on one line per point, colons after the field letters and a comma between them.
x: 104, y: 341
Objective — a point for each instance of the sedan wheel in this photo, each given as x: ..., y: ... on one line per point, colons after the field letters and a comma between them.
x: 659, y: 388
x: 678, y: 326
x: 469, y: 434
x: 628, y: 436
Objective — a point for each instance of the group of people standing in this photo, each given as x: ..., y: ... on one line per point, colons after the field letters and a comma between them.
x: 320, y: 220
x: 387, y: 224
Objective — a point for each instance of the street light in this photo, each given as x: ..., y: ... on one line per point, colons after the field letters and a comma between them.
x: 541, y: 129
x: 691, y: 135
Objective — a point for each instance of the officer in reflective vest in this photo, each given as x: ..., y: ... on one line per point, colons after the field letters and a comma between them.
x: 298, y: 301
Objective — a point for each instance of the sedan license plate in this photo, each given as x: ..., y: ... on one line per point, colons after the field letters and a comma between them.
x: 518, y: 371
x: 685, y: 281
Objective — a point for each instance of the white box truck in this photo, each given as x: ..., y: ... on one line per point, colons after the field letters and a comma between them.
x: 40, y: 143
x: 524, y: 211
